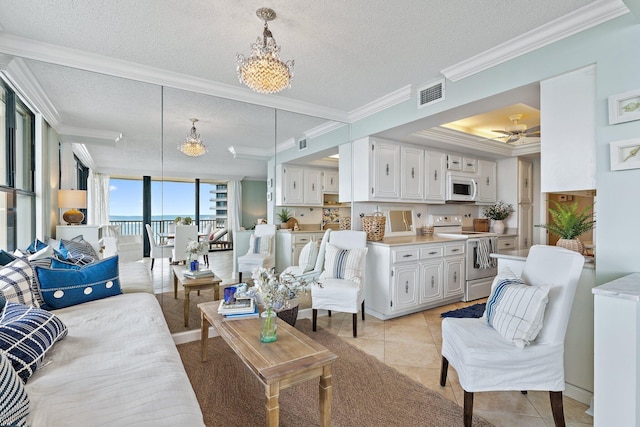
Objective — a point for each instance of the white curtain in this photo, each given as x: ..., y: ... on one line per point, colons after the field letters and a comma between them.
x: 234, y: 194
x: 97, y: 199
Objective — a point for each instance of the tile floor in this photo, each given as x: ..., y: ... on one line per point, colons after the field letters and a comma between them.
x: 411, y: 344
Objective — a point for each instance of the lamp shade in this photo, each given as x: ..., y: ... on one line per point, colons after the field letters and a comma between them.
x: 70, y: 199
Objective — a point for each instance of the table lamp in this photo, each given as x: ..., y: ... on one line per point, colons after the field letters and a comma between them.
x: 72, y: 200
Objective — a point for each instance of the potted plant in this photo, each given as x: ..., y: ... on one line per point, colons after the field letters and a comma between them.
x: 498, y: 213
x: 177, y: 220
x: 568, y: 223
x: 284, y: 215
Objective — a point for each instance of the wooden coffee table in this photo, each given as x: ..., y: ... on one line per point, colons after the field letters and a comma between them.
x: 290, y: 360
x: 193, y: 285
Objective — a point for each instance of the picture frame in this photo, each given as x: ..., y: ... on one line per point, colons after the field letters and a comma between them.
x: 625, y: 154
x: 624, y: 107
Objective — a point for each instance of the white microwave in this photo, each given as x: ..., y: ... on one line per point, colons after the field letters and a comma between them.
x: 461, y: 188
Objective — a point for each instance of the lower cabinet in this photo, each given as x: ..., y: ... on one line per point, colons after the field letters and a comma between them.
x: 289, y: 244
x: 409, y: 278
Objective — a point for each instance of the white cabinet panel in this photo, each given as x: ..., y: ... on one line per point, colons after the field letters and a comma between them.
x: 431, y: 285
x: 435, y: 179
x: 386, y: 170
x: 412, y: 173
x: 312, y: 194
x: 330, y: 182
x: 405, y: 281
x: 487, y: 188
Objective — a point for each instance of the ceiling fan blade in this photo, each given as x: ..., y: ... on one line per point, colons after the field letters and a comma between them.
x: 536, y: 133
x: 533, y: 129
x: 513, y: 138
x: 504, y: 132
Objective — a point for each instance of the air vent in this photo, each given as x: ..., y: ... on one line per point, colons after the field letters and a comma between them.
x: 431, y: 94
x: 302, y: 144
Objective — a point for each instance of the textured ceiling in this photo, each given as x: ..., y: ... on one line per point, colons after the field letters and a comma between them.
x: 347, y: 54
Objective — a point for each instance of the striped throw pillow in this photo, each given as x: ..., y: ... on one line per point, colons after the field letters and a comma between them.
x: 260, y: 244
x: 343, y: 263
x: 308, y: 256
x: 79, y: 251
x: 14, y: 402
x: 26, y: 334
x: 16, y: 282
x: 516, y: 310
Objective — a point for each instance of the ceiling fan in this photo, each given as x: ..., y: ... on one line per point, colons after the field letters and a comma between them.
x: 516, y: 132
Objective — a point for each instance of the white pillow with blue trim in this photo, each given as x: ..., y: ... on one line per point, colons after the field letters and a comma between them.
x: 308, y: 256
x: 260, y: 244
x: 347, y: 264
x: 516, y: 310
x: 14, y: 402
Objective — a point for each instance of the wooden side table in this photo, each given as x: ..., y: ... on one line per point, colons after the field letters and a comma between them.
x: 189, y: 285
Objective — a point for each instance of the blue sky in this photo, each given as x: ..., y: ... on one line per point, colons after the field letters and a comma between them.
x: 167, y: 198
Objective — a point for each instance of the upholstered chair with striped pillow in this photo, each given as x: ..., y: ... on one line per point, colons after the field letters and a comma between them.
x: 261, y: 250
x: 343, y: 277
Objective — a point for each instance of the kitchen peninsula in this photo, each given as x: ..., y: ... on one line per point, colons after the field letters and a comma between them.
x: 578, y: 355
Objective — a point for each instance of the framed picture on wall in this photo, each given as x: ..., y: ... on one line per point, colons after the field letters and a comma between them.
x: 625, y: 154
x: 624, y: 107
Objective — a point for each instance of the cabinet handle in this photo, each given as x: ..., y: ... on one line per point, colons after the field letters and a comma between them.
x: 435, y: 175
x: 413, y: 174
x: 387, y: 169
x: 433, y: 281
x: 294, y: 185
x: 407, y: 256
x: 313, y: 187
x: 455, y: 250
x: 487, y: 180
x: 470, y: 164
x: 331, y: 180
x: 455, y: 276
x: 433, y: 253
x: 406, y: 287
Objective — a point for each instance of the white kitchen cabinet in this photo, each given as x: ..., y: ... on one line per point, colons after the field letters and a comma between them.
x: 289, y: 185
x: 312, y: 194
x: 525, y: 226
x: 469, y: 165
x: 431, y: 287
x: 330, y: 181
x: 568, y: 143
x: 289, y: 244
x: 435, y: 163
x: 411, y: 173
x: 403, y: 279
x: 507, y: 243
x: 376, y: 170
x: 525, y: 181
x: 487, y: 184
x: 454, y: 162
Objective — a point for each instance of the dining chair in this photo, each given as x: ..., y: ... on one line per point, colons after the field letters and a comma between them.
x: 184, y: 235
x: 156, y: 250
x: 261, y: 249
x: 500, y: 351
x: 343, y: 276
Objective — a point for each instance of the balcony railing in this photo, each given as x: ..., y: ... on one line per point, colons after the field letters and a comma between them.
x: 136, y: 227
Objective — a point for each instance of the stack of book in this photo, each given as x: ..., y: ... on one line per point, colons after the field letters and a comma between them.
x: 241, y: 308
x: 197, y: 273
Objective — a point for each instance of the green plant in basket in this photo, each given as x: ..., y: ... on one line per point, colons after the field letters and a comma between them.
x: 498, y: 212
x: 284, y: 215
x: 568, y: 222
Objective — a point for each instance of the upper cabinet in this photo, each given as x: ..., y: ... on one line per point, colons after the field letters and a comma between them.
x: 389, y: 171
x: 412, y: 173
x: 525, y: 181
x: 567, y: 120
x: 302, y: 186
x: 330, y: 181
x: 312, y: 194
x: 487, y: 184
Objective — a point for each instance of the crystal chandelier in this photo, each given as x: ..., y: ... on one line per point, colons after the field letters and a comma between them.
x: 192, y: 145
x: 263, y: 71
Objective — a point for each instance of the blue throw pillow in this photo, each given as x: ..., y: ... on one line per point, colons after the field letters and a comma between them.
x: 66, y: 284
x: 35, y: 246
x: 26, y: 334
x: 14, y: 402
x: 6, y: 257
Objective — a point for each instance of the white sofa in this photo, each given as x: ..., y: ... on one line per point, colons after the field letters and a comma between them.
x: 118, y: 366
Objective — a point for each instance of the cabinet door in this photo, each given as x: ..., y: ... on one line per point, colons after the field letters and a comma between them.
x: 435, y: 166
x: 525, y: 226
x: 293, y: 185
x: 431, y: 286
x: 412, y: 173
x: 330, y: 181
x: 487, y: 189
x: 312, y: 187
x: 525, y: 178
x: 469, y: 165
x: 386, y: 164
x: 454, y: 162
x: 405, y: 280
x: 454, y: 276
x: 506, y: 244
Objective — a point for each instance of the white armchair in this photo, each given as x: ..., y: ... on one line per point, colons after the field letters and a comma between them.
x: 485, y: 360
x: 299, y: 270
x: 261, y: 249
x: 343, y: 279
x: 128, y: 247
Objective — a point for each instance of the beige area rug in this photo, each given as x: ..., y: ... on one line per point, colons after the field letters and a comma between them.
x: 366, y: 392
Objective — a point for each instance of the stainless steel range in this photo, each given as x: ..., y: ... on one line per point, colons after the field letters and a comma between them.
x: 480, y: 269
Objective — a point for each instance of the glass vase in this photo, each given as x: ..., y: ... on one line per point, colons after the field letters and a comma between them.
x: 268, y: 325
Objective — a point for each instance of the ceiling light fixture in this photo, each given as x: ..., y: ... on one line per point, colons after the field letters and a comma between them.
x: 263, y: 71
x: 192, y: 146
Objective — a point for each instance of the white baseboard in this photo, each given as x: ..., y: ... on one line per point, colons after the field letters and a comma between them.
x: 577, y: 393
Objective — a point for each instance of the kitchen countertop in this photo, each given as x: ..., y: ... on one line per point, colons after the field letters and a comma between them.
x: 521, y: 255
x: 415, y: 240
x: 627, y: 287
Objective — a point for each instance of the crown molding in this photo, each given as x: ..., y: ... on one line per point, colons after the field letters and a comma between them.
x: 41, y: 51
x: 28, y: 86
x: 114, y: 136
x: 462, y: 140
x: 396, y: 97
x: 83, y: 154
x: 240, y: 152
x: 286, y: 144
x: 582, y: 19
x: 323, y: 129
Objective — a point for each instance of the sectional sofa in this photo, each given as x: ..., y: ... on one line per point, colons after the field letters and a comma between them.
x: 116, y: 364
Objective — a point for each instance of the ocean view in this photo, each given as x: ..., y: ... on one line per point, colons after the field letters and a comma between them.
x: 155, y: 217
